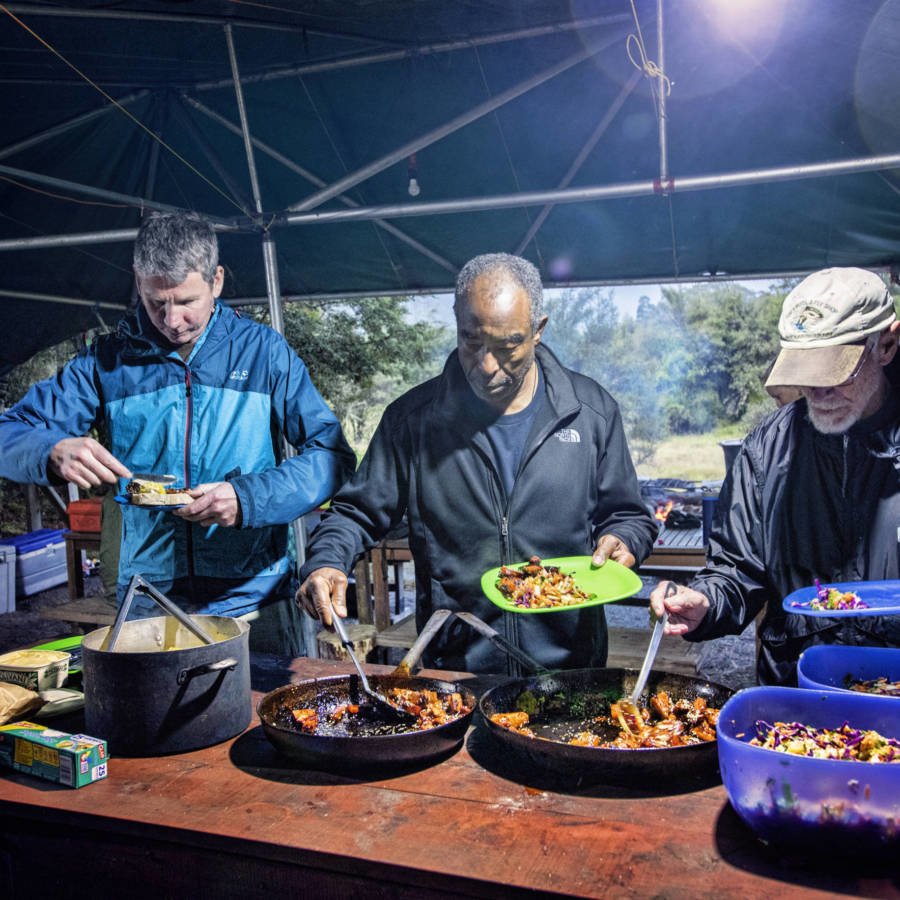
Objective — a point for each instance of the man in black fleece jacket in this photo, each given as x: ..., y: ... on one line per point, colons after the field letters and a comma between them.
x: 505, y: 455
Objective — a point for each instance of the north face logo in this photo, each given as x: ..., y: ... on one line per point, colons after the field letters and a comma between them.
x: 568, y: 436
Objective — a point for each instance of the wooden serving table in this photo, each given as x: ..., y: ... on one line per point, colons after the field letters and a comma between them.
x: 239, y: 820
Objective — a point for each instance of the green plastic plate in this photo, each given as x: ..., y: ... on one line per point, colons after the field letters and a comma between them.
x: 611, y: 581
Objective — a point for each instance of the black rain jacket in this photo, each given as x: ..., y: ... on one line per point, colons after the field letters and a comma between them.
x: 798, y: 505
x: 430, y: 460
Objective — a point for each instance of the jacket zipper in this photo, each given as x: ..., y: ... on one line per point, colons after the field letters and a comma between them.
x: 187, y: 464
x: 504, y: 541
x: 511, y: 620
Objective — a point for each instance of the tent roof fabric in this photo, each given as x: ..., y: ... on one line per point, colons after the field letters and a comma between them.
x: 532, y: 132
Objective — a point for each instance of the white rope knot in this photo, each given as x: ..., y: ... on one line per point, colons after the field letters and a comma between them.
x: 647, y: 66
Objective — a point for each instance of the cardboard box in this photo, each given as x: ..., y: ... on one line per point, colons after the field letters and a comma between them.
x: 70, y: 759
x: 40, y: 560
x: 7, y: 579
x: 85, y: 515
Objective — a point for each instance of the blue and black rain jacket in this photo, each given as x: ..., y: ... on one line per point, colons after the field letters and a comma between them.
x: 218, y: 415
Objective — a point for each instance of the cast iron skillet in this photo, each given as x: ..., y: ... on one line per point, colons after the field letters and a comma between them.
x: 572, y: 697
x: 360, y: 741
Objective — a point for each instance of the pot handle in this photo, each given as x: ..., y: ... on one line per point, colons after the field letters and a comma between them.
x: 206, y: 668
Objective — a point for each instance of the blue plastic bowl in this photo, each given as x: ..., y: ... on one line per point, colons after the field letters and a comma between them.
x: 818, y: 805
x: 827, y: 666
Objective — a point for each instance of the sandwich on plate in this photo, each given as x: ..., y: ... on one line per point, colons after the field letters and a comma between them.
x: 143, y: 492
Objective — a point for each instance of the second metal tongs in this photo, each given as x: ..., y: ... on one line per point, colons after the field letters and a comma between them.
x: 655, y: 638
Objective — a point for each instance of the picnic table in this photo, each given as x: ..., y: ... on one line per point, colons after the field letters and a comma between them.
x: 239, y: 820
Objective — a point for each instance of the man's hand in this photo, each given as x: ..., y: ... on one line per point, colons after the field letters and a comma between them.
x: 686, y: 607
x: 610, y: 547
x: 324, y: 590
x: 215, y: 503
x: 85, y: 462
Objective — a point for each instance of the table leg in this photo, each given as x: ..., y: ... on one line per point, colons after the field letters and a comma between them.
x: 74, y: 569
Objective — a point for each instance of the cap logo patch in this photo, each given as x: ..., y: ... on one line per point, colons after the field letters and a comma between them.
x: 809, y: 316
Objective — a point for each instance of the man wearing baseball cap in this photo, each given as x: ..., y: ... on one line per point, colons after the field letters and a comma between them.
x: 815, y: 490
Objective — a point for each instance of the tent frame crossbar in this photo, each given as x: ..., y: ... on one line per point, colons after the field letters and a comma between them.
x: 404, y: 151
x: 624, y: 190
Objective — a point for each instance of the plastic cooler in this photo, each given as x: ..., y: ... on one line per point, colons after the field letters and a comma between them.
x: 7, y: 579
x: 40, y: 560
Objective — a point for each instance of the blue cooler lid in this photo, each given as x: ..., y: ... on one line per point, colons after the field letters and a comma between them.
x: 35, y: 540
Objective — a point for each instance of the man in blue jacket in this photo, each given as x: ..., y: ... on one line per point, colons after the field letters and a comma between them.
x: 187, y: 386
x: 505, y: 455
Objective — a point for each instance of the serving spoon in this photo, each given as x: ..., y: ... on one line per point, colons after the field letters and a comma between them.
x: 379, y: 701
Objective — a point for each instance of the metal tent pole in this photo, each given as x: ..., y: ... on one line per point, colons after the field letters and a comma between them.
x: 179, y: 18
x: 319, y: 182
x: 661, y: 100
x: 466, y: 118
x: 603, y: 192
x: 382, y: 56
x: 583, y: 154
x: 276, y: 313
x: 55, y: 298
x: 89, y: 190
x: 238, y: 192
x: 504, y: 201
x: 63, y: 127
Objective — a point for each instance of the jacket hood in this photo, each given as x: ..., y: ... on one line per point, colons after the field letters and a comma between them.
x: 143, y: 339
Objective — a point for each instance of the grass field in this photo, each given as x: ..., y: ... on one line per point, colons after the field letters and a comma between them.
x: 693, y: 457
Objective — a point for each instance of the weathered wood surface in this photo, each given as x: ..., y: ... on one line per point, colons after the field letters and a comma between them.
x: 237, y: 819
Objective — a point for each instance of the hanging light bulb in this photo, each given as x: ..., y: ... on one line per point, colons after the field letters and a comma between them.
x: 412, y: 173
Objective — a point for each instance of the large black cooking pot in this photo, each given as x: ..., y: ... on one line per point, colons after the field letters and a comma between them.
x: 162, y: 689
x: 571, y: 698
x: 358, y: 742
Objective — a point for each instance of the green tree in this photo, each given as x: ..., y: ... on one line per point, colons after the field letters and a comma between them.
x: 730, y: 335
x: 363, y: 353
x: 585, y: 331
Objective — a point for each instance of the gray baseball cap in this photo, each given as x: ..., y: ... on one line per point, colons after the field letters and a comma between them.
x: 824, y: 324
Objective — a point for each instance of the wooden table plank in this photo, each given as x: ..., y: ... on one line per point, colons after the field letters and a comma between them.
x: 470, y: 825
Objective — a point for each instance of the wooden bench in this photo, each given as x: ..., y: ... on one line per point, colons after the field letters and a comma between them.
x: 627, y: 647
x: 94, y: 611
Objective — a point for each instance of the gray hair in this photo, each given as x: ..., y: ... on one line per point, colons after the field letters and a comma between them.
x: 172, y: 245
x: 520, y: 270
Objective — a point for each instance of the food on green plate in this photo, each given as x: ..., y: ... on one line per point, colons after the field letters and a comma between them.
x: 535, y: 586
x: 153, y: 493
x: 845, y: 742
x: 873, y: 686
x: 832, y: 599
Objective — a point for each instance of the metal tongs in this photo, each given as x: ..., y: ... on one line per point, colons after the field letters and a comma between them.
x: 649, y: 657
x: 436, y: 622
x: 379, y: 701
x: 138, y: 585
